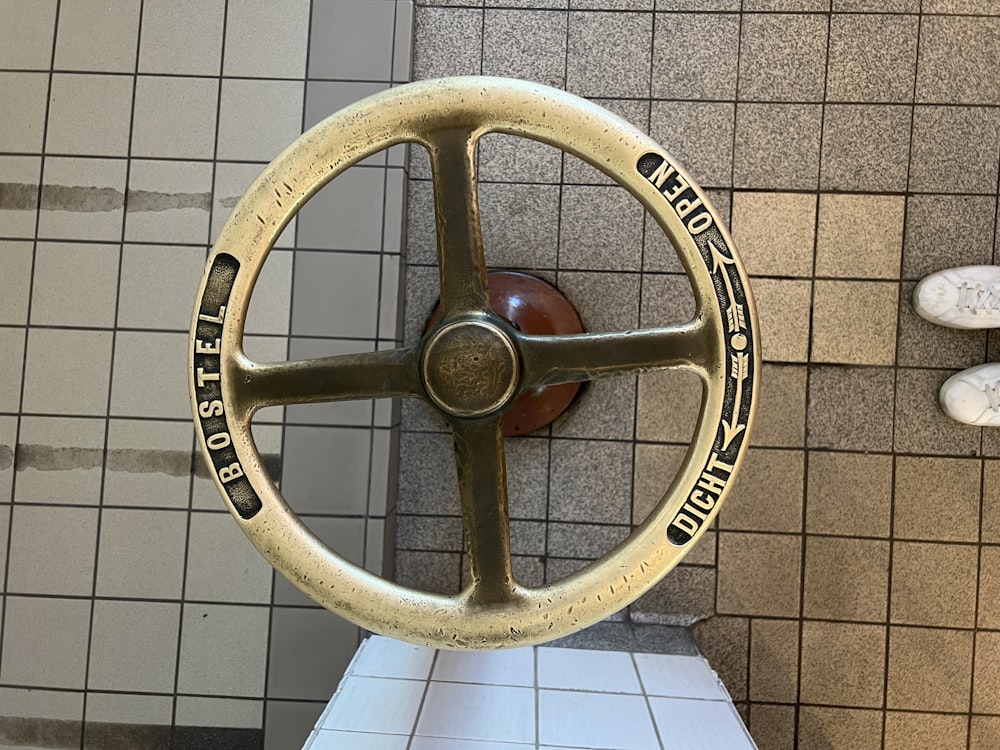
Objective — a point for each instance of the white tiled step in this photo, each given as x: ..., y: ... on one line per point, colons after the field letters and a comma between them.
x: 396, y: 696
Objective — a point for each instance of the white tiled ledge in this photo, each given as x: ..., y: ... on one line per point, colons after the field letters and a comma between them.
x: 395, y: 696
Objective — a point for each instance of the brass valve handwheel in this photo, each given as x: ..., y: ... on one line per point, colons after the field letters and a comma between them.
x: 472, y: 365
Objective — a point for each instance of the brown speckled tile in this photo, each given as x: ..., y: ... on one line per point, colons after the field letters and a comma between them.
x: 774, y: 648
x: 861, y: 44
x: 759, y: 574
x: 865, y: 147
x: 842, y: 664
x: 768, y: 495
x: 849, y: 494
x: 937, y: 499
x: 954, y: 149
x: 915, y: 731
x: 687, y: 591
x: 946, y: 78
x: 851, y: 408
x: 777, y: 146
x: 655, y: 468
x: 526, y: 44
x: 929, y: 244
x: 699, y: 135
x: 667, y: 299
x: 724, y: 641
x: 601, y: 229
x: 602, y: 409
x: 709, y: 72
x: 841, y: 728
x: 585, y: 481
x: 772, y: 725
x: 590, y: 292
x: 846, y: 579
x: 669, y: 403
x: 783, y: 312
x: 934, y: 584
x: 854, y: 322
x: 775, y: 232
x: 859, y: 236
x: 921, y: 426
x: 609, y: 54
x: 439, y: 572
x: 782, y: 57
x: 929, y: 669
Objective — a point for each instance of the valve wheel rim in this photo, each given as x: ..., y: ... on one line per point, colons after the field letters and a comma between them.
x: 721, y: 344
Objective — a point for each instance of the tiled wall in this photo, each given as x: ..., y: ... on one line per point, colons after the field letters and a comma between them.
x: 849, y: 594
x: 128, y: 129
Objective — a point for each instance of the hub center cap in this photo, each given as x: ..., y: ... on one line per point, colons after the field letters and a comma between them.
x: 470, y: 368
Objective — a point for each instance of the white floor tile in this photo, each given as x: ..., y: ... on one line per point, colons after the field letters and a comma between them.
x: 386, y: 657
x: 595, y: 720
x: 327, y: 739
x: 478, y: 712
x: 592, y: 671
x: 512, y: 667
x: 679, y: 677
x: 440, y: 743
x: 699, y: 725
x: 375, y: 704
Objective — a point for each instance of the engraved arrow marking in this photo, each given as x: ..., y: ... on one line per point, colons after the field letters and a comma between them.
x: 735, y: 315
x: 739, y: 372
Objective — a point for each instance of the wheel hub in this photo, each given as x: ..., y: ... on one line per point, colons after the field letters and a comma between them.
x: 470, y: 368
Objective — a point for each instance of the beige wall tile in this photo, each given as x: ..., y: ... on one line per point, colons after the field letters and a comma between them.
x: 840, y: 728
x: 929, y: 669
x: 989, y: 588
x: 759, y: 574
x: 775, y: 232
x: 913, y: 731
x: 934, y: 584
x: 859, y: 236
x: 849, y: 493
x: 854, y: 322
x: 986, y: 689
x: 768, y: 495
x: 783, y: 307
x: 846, y: 579
x: 984, y: 733
x: 781, y: 407
x: 991, y: 501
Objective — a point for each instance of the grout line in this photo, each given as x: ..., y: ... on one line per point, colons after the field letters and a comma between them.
x: 886, y: 665
x: 196, y: 448
x: 111, y: 384
x: 806, y: 452
x: 24, y: 340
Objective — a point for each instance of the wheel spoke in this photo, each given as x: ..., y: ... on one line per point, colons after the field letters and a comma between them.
x: 459, y: 234
x: 550, y: 360
x: 383, y: 374
x: 482, y: 481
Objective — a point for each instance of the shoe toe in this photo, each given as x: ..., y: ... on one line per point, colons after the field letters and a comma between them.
x: 935, y: 298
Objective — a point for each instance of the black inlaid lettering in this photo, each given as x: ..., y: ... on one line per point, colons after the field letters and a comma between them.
x: 207, y: 379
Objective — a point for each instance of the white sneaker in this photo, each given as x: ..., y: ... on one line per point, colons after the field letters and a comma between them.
x: 967, y: 297
x: 973, y: 396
